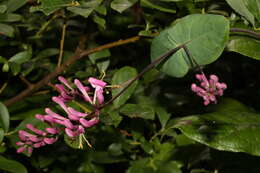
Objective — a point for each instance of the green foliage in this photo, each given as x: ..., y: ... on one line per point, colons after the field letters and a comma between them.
x: 157, y: 125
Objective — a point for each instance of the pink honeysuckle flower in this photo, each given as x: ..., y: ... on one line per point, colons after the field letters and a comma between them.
x: 52, y: 131
x: 35, y: 130
x: 54, y: 115
x: 64, y: 94
x: 61, y: 103
x: 99, y: 86
x: 83, y: 90
x: 70, y: 133
x: 21, y: 149
x: 88, y: 123
x: 65, y: 82
x: 50, y: 140
x: 208, y: 89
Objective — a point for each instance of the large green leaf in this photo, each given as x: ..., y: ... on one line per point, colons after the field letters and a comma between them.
x: 242, y: 7
x: 4, y: 117
x: 11, y: 166
x: 227, y: 129
x: 13, y: 5
x: 254, y: 7
x: 204, y: 35
x: 121, y: 77
x: 246, y: 46
x: 10, y: 17
x: 122, y: 5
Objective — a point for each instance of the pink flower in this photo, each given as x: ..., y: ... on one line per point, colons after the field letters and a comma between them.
x: 99, y: 86
x: 208, y: 89
x: 82, y: 90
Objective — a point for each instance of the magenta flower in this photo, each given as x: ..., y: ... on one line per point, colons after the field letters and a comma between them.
x: 208, y: 89
x: 99, y: 85
x: 73, y: 124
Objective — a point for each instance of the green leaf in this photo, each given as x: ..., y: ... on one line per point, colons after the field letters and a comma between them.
x: 13, y: 5
x: 246, y: 46
x: 122, y: 5
x: 16, y: 68
x: 205, y: 37
x: 153, y: 5
x: 46, y: 53
x: 240, y: 7
x: 235, y: 131
x: 73, y: 143
x: 5, y: 67
x: 254, y: 7
x: 21, y: 57
x: 169, y: 167
x: 3, y: 8
x: 115, y: 149
x: 6, y: 30
x: 162, y: 115
x: 11, y: 166
x: 112, y: 119
x: 138, y: 111
x: 50, y: 6
x: 100, y: 21
x: 2, y: 135
x: 121, y: 77
x: 10, y: 17
x: 4, y: 117
x: 86, y: 8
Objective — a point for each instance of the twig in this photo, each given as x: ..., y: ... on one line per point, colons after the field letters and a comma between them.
x: 78, y: 55
x: 3, y: 87
x: 246, y: 31
x: 46, y: 24
x: 29, y: 84
x: 62, y: 44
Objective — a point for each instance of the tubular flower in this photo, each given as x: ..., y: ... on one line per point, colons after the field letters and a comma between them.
x: 73, y: 124
x: 208, y: 89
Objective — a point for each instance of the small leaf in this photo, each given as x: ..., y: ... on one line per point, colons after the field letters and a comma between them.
x: 21, y: 57
x: 122, y: 5
x: 138, y: 111
x: 10, y: 17
x: 50, y: 6
x: 246, y: 46
x: 5, y: 67
x: 205, y: 37
x: 121, y: 77
x: 13, y: 5
x: 4, y: 117
x: 162, y: 115
x: 3, y: 8
x: 73, y: 143
x: 86, y: 8
x: 6, y: 30
x: 16, y: 68
x: 115, y: 149
x: 46, y: 53
x: 153, y: 5
x: 11, y: 166
x: 100, y: 21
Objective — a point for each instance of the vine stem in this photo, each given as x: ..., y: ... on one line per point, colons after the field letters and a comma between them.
x: 246, y: 31
x: 146, y: 69
x: 58, y: 70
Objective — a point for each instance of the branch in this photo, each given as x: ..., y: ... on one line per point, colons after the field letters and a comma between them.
x: 58, y: 70
x: 246, y: 31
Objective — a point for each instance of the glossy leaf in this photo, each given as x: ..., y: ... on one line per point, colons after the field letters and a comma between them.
x: 4, y: 117
x: 11, y: 166
x: 121, y: 77
x: 246, y: 46
x: 21, y: 57
x: 254, y: 7
x: 122, y: 5
x: 204, y: 38
x: 230, y: 130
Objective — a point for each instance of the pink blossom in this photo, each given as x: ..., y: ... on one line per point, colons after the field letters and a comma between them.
x: 208, y: 89
x: 82, y: 90
x: 99, y: 86
x: 88, y: 123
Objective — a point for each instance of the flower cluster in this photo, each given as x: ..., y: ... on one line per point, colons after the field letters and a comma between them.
x: 73, y: 124
x: 208, y: 89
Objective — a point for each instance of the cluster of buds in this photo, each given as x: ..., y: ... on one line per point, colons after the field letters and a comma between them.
x: 73, y: 124
x: 208, y: 89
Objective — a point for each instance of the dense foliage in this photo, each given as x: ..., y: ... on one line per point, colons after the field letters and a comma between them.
x: 138, y: 59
